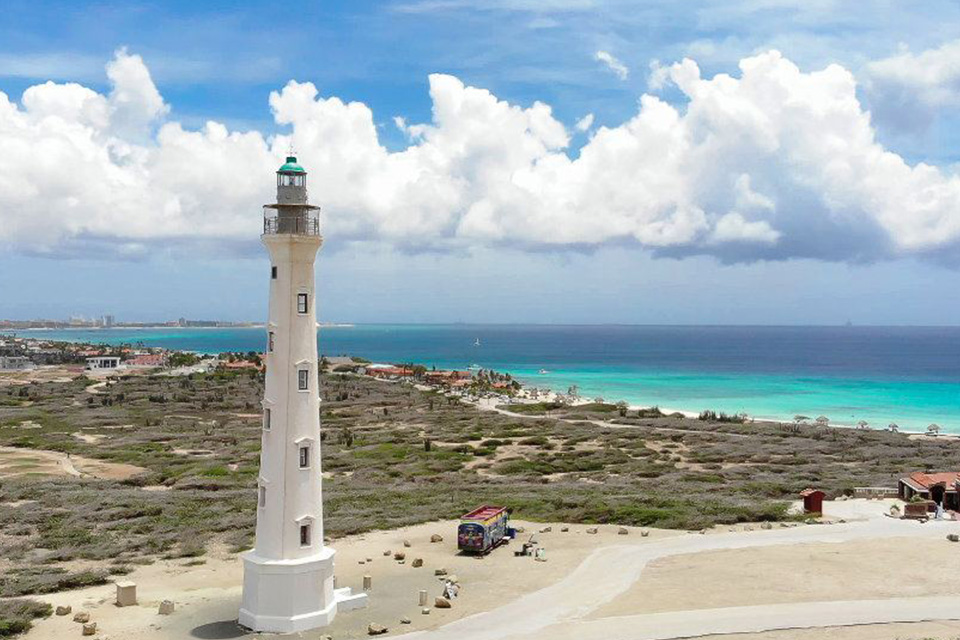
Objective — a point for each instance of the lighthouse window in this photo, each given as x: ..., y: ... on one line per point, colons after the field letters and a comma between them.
x: 263, y: 496
x: 303, y: 379
x: 273, y: 273
x: 301, y: 303
x: 266, y: 419
x: 304, y: 457
x: 305, y: 535
x: 288, y: 180
x: 270, y: 342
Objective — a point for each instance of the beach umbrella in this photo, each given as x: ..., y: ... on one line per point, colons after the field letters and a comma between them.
x: 863, y: 424
x: 893, y: 427
x: 933, y: 429
x: 823, y: 421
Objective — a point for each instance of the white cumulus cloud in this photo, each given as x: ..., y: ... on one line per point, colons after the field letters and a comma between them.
x: 612, y: 63
x: 771, y: 163
x: 908, y: 89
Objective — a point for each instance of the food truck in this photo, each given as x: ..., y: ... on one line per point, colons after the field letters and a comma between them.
x: 482, y: 529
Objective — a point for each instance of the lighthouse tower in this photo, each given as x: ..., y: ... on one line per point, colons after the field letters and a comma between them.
x: 288, y: 577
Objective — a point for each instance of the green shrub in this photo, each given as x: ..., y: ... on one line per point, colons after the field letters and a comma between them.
x: 16, y: 616
x: 38, y: 580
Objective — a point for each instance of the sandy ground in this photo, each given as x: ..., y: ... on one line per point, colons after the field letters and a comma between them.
x: 208, y: 596
x: 40, y: 374
x: 792, y: 573
x: 17, y: 461
x: 629, y: 587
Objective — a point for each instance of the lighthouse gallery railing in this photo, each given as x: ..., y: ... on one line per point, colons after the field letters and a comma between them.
x: 294, y: 220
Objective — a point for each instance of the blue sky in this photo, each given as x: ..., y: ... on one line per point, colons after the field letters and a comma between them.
x: 770, y: 241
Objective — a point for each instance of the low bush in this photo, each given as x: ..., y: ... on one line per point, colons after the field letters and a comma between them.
x: 17, y: 616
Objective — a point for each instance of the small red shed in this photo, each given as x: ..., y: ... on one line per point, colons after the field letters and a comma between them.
x: 812, y: 500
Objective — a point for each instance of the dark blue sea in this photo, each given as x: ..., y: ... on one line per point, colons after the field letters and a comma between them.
x: 906, y: 375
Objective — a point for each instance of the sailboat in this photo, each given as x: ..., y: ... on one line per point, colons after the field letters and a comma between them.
x: 476, y: 342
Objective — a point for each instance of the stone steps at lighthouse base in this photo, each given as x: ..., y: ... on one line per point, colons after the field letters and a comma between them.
x: 347, y: 600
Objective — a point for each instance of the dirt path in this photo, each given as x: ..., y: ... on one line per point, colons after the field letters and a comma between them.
x: 603, y: 424
x: 95, y: 388
x: 18, y: 461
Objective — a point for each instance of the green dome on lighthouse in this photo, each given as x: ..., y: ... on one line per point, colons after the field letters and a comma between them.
x: 291, y: 166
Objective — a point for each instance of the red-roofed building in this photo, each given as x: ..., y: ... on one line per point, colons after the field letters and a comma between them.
x: 148, y: 360
x: 941, y: 488
x: 388, y: 372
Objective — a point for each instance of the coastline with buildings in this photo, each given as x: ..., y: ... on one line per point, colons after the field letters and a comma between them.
x: 109, y: 322
x: 483, y: 388
x: 880, y: 375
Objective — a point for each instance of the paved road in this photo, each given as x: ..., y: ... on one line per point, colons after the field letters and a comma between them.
x: 559, y: 611
x: 688, y: 624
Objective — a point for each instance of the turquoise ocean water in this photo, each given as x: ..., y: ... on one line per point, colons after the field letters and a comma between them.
x: 907, y: 375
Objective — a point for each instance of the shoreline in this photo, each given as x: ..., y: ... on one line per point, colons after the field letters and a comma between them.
x: 529, y: 381
x: 694, y: 415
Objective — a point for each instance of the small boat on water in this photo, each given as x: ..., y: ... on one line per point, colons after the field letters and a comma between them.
x: 543, y: 372
x: 476, y: 342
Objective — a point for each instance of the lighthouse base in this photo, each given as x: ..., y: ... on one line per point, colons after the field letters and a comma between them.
x: 284, y: 596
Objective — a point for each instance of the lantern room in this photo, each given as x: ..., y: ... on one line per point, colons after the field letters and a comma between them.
x: 291, y: 183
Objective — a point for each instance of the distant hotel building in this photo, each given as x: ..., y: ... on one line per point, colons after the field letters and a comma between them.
x: 102, y: 363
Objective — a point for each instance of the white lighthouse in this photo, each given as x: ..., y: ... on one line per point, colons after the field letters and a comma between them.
x: 288, y: 577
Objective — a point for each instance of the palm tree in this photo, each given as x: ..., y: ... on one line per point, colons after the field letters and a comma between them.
x: 799, y: 421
